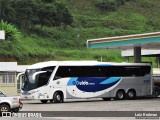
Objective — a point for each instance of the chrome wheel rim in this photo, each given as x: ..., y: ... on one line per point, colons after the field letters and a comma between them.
x: 131, y: 94
x: 4, y: 109
x: 58, y: 97
x: 120, y: 95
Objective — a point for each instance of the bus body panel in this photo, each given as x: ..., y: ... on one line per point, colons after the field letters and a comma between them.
x: 90, y: 87
x: 142, y: 89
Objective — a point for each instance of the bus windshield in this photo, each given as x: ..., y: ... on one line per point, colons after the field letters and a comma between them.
x: 41, y: 78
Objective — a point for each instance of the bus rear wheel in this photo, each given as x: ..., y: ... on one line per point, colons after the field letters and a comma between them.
x: 120, y: 95
x: 131, y: 94
x: 58, y: 97
x: 44, y: 101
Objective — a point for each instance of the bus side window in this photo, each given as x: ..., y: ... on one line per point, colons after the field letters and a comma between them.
x: 61, y: 72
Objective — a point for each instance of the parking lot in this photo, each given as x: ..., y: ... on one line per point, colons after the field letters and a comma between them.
x: 93, y: 105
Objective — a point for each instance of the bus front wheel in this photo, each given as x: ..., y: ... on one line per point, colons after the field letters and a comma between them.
x: 58, y: 97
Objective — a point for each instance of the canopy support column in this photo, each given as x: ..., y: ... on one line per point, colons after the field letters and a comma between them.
x: 137, y: 54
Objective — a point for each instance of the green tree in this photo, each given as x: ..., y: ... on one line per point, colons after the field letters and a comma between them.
x: 63, y: 15
x: 47, y: 15
x: 67, y: 18
x: 120, y: 2
x: 26, y: 13
x: 106, y: 5
x: 54, y: 14
x: 7, y: 13
x: 48, y: 1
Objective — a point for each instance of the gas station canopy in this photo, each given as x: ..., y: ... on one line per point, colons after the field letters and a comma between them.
x: 137, y: 41
x: 146, y: 41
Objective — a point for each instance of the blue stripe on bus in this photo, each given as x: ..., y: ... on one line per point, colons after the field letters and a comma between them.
x: 110, y: 80
x: 71, y: 81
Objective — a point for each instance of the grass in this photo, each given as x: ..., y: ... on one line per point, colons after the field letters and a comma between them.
x: 55, y: 43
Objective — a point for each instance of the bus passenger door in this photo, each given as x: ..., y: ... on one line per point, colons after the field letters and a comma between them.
x: 59, y: 84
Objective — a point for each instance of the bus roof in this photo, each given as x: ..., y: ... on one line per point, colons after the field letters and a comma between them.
x: 43, y: 64
x: 78, y: 63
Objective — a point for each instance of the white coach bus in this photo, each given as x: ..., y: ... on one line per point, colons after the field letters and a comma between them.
x: 59, y: 80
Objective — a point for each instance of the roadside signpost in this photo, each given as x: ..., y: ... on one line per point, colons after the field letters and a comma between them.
x: 2, y: 35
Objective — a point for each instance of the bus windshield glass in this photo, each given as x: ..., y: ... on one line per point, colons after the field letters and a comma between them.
x: 41, y: 78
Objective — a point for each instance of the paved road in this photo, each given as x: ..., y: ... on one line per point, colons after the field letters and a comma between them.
x: 91, y: 105
x: 95, y: 105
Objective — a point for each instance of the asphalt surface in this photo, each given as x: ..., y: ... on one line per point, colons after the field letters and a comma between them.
x: 148, y: 104
x: 90, y: 105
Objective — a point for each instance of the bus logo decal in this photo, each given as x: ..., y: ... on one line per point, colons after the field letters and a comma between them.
x: 82, y: 83
x: 93, y: 84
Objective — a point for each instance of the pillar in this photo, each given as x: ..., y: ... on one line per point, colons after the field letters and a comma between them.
x: 137, y: 54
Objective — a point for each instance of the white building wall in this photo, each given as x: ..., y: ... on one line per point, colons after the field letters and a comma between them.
x: 130, y: 52
x: 8, y: 79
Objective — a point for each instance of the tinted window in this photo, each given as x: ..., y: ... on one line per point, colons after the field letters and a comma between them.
x: 41, y: 79
x: 101, y: 71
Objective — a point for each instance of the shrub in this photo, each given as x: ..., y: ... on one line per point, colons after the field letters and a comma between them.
x: 11, y: 32
x: 109, y: 5
x: 106, y: 5
x: 120, y: 2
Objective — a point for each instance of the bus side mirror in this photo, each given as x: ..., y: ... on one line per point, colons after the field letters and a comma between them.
x: 20, y: 74
x: 36, y: 73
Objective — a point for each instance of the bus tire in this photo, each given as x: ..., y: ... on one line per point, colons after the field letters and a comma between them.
x: 58, y: 97
x: 106, y: 99
x: 44, y: 101
x: 131, y: 94
x: 120, y: 95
